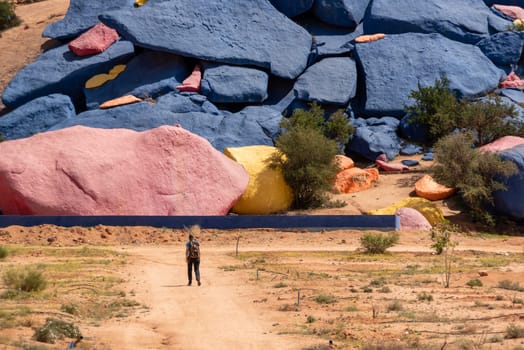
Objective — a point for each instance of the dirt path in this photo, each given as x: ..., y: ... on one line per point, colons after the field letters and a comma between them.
x: 218, y: 315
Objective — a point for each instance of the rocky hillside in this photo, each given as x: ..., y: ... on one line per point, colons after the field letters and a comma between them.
x: 230, y: 70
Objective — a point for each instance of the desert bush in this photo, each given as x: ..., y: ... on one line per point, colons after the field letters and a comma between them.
x: 473, y: 173
x: 474, y: 283
x: 24, y: 279
x: 55, y: 329
x: 280, y: 285
x: 395, y: 305
x: 509, y: 285
x: 8, y: 17
x: 325, y: 299
x: 310, y: 319
x: 3, y: 252
x: 424, y: 296
x: 513, y: 331
x: 377, y: 243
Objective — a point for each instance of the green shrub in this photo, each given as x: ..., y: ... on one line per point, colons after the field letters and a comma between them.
x: 473, y: 173
x: 436, y: 107
x: 54, y: 330
x: 424, y: 296
x: 513, y: 331
x: 25, y: 280
x: 507, y: 284
x: 377, y: 243
x: 8, y: 17
x: 3, y: 252
x: 310, y: 319
x: 474, y: 283
x: 280, y: 285
x: 325, y: 299
x: 396, y: 305
x: 306, y: 158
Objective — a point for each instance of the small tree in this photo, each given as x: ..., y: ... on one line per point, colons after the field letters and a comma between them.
x: 435, y: 106
x: 441, y: 235
x: 473, y: 173
x: 306, y: 154
x: 8, y: 17
x: 488, y: 119
x: 338, y: 128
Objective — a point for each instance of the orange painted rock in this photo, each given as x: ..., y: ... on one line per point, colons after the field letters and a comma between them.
x: 94, y: 41
x: 428, y: 188
x: 88, y: 171
x: 192, y: 83
x: 344, y: 162
x: 120, y: 101
x: 355, y: 180
x: 369, y: 38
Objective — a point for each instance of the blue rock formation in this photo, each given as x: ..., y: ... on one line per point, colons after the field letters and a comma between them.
x: 393, y: 67
x: 148, y: 75
x: 82, y: 15
x: 234, y: 84
x: 331, y: 81
x: 292, y: 8
x: 503, y: 49
x: 36, y: 116
x: 61, y: 71
x: 237, y: 32
x: 411, y: 149
x: 510, y: 202
x: 375, y: 136
x: 412, y: 130
x: 467, y: 21
x: 343, y: 13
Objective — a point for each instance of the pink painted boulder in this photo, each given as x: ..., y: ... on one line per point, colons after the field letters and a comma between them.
x: 512, y: 81
x: 87, y: 171
x: 95, y: 40
x: 502, y: 144
x: 511, y: 11
x: 412, y: 219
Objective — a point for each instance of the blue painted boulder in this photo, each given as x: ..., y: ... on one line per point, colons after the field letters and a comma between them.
x: 503, y: 49
x: 150, y: 74
x: 410, y: 150
x: 36, y: 116
x: 82, y: 15
x: 330, y: 81
x: 396, y: 65
x: 375, y: 136
x: 510, y: 202
x: 234, y: 32
x: 343, y: 13
x: 61, y: 71
x: 467, y: 21
x: 516, y: 95
x: 234, y: 84
x: 292, y: 8
x: 505, y: 2
x: 251, y: 126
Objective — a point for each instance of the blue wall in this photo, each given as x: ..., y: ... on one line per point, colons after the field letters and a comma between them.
x: 381, y: 222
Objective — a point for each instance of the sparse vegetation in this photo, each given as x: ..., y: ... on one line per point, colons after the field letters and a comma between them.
x: 509, y: 285
x: 378, y: 243
x: 280, y: 285
x: 3, y: 252
x: 473, y: 173
x: 8, y: 17
x: 424, y: 296
x: 513, y: 331
x: 474, y: 283
x: 325, y: 299
x: 441, y: 235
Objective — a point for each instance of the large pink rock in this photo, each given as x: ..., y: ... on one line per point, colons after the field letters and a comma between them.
x: 95, y: 40
x: 512, y: 81
x: 511, y: 11
x: 86, y: 171
x: 412, y: 219
x: 502, y: 144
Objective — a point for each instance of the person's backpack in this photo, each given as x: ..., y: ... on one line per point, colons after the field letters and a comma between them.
x: 194, y: 250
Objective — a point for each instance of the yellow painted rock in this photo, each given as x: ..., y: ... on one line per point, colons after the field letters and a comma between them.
x: 100, y: 79
x: 139, y: 3
x: 267, y: 191
x: 427, y: 208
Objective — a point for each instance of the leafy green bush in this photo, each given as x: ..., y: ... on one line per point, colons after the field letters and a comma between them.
x: 8, y: 17
x: 473, y: 173
x: 25, y: 280
x: 377, y: 243
x: 3, y: 252
x: 55, y: 329
x: 474, y: 283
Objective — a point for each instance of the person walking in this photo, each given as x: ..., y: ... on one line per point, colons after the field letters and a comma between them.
x: 193, y: 256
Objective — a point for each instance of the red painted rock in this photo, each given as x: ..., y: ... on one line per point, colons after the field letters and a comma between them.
x: 512, y: 81
x: 87, y: 171
x: 193, y: 82
x: 95, y: 40
x: 412, y: 219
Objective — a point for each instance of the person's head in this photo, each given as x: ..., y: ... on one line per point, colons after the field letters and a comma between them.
x: 191, y: 237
